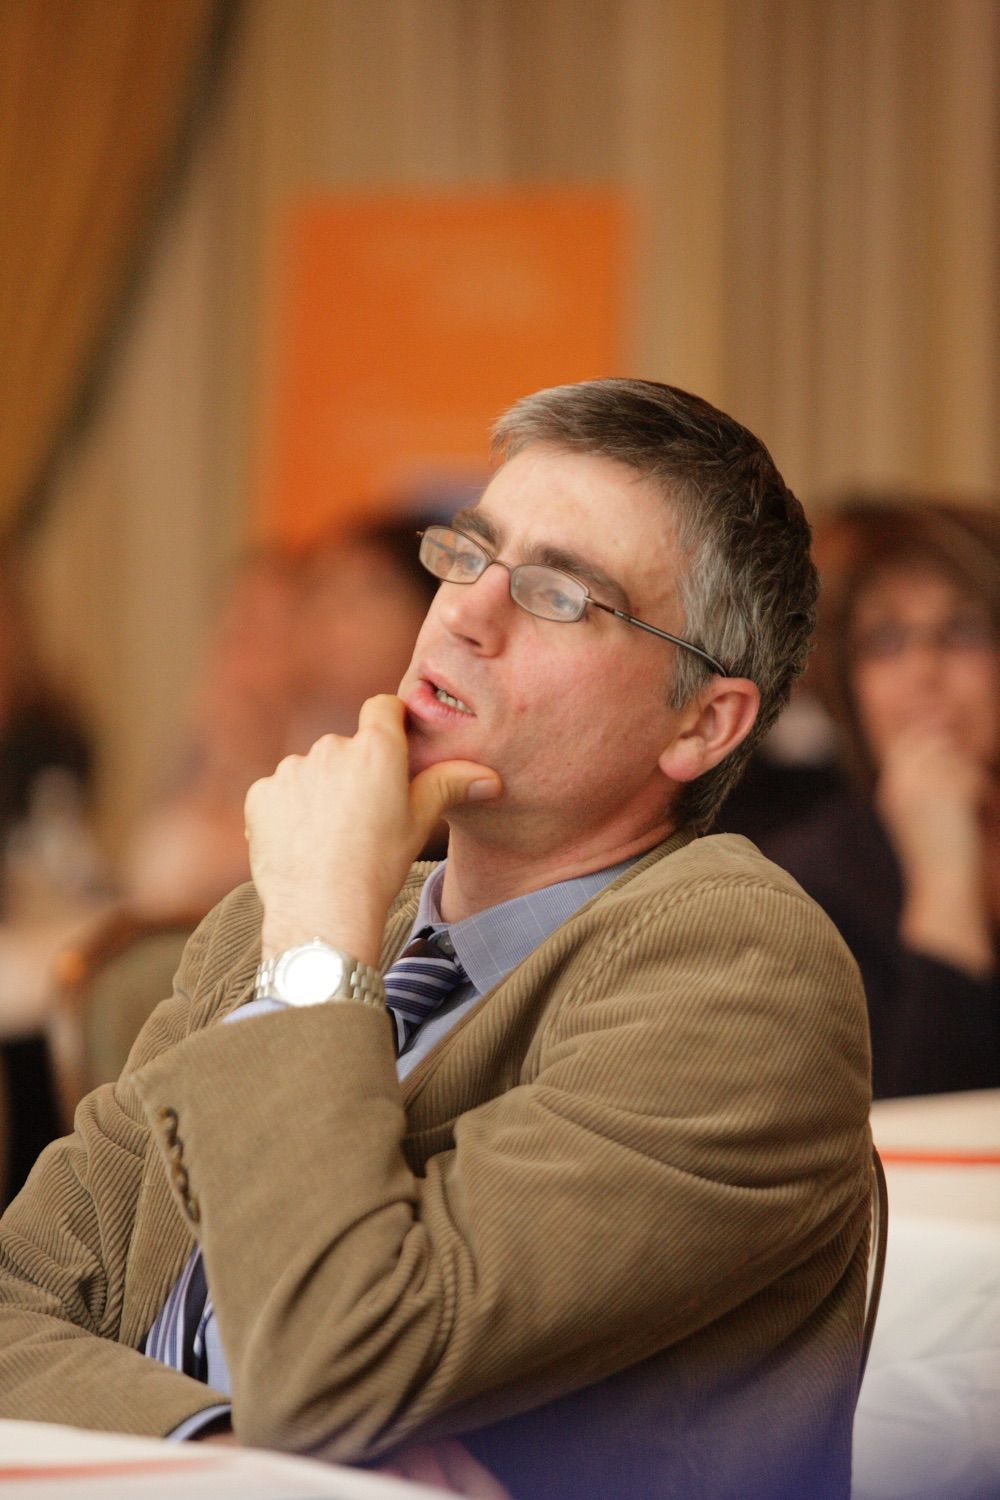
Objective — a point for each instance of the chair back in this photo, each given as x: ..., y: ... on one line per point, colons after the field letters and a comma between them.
x: 879, y: 1232
x: 109, y: 985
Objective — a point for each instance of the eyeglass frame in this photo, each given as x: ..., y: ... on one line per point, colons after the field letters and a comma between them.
x: 980, y: 636
x: 588, y: 598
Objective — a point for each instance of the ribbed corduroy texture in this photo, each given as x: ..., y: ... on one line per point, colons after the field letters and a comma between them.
x: 633, y: 1187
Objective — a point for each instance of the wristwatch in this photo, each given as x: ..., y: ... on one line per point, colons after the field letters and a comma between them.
x: 314, y: 973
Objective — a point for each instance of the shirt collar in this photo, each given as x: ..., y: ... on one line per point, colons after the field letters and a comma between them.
x: 491, y: 943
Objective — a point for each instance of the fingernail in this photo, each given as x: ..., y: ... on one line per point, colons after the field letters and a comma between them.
x: 480, y: 791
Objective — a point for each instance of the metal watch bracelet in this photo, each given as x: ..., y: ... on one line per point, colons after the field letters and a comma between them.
x: 360, y: 983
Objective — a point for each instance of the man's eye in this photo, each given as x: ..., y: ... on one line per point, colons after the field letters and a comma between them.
x: 467, y: 562
x: 558, y: 604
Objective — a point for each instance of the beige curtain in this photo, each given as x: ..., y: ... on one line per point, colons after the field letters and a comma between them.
x: 93, y: 95
x: 863, y: 175
x: 816, y: 189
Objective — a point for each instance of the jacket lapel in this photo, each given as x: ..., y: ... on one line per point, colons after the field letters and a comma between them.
x: 483, y: 1054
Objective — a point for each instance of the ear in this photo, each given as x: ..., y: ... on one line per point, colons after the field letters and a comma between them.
x: 715, y: 721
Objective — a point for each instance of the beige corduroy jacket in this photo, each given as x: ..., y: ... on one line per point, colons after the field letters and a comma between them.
x: 612, y: 1230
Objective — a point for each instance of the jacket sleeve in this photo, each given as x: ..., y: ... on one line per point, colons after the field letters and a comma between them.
x: 681, y: 1135
x: 64, y: 1247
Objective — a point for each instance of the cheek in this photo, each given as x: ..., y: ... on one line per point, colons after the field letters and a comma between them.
x: 980, y: 687
x: 429, y: 631
x: 549, y: 712
x: 609, y: 715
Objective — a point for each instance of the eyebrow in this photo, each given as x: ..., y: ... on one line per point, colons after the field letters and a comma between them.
x: 590, y: 573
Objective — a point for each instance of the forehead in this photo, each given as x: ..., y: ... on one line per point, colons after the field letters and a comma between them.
x: 597, y: 508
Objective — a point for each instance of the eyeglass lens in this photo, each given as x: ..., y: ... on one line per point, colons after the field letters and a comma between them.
x: 542, y: 591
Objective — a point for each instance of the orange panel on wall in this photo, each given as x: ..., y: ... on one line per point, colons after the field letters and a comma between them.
x: 406, y: 324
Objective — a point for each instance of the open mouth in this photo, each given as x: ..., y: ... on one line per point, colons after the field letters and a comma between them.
x: 450, y: 700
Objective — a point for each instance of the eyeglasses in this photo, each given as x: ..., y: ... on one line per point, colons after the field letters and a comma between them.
x: 962, y: 635
x: 546, y: 592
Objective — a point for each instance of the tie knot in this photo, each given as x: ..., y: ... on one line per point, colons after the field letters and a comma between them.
x: 420, y: 980
x: 430, y: 944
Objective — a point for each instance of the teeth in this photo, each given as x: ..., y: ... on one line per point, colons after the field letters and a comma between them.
x: 444, y: 697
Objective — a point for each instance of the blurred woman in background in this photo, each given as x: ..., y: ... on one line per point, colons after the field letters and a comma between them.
x: 908, y: 862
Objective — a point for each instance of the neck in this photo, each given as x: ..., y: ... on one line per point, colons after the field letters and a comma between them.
x: 481, y: 874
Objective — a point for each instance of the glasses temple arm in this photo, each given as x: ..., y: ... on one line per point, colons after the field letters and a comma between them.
x: 665, y: 635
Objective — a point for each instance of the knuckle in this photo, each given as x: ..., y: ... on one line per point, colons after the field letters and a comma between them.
x: 379, y: 732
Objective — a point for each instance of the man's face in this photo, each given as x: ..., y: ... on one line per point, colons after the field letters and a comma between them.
x: 572, y: 716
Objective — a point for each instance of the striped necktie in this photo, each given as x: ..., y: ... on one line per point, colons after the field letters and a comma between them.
x: 421, y: 979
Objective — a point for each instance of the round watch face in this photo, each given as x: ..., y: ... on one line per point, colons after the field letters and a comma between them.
x: 310, y: 974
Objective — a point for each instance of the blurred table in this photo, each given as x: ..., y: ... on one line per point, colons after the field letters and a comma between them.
x: 43, y: 1462
x: 928, y: 1422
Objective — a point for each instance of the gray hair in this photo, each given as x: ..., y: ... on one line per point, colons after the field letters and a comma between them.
x: 749, y: 587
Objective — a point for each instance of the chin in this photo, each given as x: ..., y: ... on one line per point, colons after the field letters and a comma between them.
x: 423, y: 755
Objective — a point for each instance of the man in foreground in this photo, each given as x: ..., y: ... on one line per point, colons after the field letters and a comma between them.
x: 604, y: 1216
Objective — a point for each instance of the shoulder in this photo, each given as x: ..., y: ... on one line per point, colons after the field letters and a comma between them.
x: 723, y: 974
x: 716, y: 913
x: 713, y: 865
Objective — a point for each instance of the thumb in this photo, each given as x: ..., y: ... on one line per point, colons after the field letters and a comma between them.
x: 447, y: 783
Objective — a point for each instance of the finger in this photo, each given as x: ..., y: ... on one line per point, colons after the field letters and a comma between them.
x: 448, y: 783
x: 449, y: 1465
x: 384, y: 716
x: 384, y: 708
x: 466, y: 1475
x: 418, y: 1464
x: 254, y: 793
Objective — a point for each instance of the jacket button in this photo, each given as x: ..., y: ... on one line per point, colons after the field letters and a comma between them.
x: 192, y: 1209
x: 166, y: 1118
x: 180, y: 1179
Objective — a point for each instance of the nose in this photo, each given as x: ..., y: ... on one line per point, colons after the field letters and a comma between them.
x: 924, y: 658
x: 478, y: 612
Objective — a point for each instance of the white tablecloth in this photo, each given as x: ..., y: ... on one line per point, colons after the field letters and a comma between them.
x: 43, y: 1462
x: 928, y: 1422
